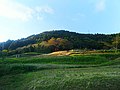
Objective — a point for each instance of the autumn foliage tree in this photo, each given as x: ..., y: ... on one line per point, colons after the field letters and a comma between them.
x: 57, y: 44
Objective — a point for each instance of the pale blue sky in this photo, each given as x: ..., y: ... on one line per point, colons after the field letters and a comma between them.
x: 21, y: 18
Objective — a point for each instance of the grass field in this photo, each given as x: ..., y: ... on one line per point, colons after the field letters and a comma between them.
x: 75, y: 72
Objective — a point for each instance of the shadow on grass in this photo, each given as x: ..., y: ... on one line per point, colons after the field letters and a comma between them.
x: 13, y: 69
x: 8, y: 69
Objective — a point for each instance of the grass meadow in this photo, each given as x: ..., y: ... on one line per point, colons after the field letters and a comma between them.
x: 74, y: 72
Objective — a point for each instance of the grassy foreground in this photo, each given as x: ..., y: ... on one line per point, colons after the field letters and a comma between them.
x: 88, y: 72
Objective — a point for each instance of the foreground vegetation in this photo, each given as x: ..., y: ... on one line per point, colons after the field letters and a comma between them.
x: 74, y: 72
x: 103, y: 78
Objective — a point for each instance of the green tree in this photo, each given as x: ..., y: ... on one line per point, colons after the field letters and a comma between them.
x: 116, y: 43
x: 3, y: 54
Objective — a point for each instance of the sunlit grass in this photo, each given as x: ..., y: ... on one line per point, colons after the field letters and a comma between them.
x: 81, y: 72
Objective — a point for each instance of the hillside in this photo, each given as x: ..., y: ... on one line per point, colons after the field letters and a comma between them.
x: 23, y: 66
x: 76, y: 41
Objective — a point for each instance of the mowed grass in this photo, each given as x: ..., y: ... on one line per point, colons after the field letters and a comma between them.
x: 103, y: 78
x: 85, y: 72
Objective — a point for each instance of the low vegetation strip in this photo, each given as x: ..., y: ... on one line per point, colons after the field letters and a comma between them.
x: 58, y: 60
x: 13, y: 69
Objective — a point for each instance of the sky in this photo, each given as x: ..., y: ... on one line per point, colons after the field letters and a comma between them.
x: 22, y: 18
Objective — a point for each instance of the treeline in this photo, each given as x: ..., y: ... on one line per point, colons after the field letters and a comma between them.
x: 60, y: 40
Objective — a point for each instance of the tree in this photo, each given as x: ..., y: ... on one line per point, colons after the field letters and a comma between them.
x: 56, y: 44
x: 3, y: 54
x: 116, y: 43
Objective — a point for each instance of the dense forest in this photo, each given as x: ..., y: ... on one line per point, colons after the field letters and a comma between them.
x: 61, y: 40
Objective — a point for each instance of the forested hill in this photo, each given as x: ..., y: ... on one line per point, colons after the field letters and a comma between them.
x: 74, y: 41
